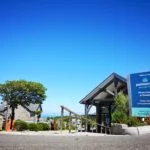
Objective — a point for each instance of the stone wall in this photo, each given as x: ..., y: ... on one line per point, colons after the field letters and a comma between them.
x: 118, y: 129
x: 22, y: 114
x: 1, y: 122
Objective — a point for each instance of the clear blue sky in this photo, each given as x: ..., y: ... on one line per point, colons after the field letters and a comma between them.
x: 72, y: 45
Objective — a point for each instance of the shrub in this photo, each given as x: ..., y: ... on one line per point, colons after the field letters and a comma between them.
x: 32, y: 127
x: 45, y: 126
x: 21, y: 125
x: 147, y: 120
x: 121, y: 114
x: 122, y: 103
x: 39, y: 127
x: 42, y: 126
x: 133, y: 122
x: 119, y: 117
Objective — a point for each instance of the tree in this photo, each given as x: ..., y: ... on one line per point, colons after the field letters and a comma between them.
x: 122, y: 103
x: 121, y: 113
x: 21, y: 92
x: 38, y: 113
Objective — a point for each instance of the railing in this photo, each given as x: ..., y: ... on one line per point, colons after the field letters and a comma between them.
x: 103, y: 129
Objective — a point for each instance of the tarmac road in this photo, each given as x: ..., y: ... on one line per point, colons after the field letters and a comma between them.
x: 40, y: 142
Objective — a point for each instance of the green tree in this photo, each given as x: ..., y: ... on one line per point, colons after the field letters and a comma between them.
x: 121, y: 113
x: 21, y: 92
x: 122, y: 103
x: 38, y: 113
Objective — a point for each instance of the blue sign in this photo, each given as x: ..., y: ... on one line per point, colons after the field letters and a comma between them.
x: 139, y: 92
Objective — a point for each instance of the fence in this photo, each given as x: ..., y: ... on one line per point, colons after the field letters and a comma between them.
x: 103, y: 129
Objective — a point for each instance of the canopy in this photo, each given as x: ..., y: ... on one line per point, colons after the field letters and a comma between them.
x: 106, y: 91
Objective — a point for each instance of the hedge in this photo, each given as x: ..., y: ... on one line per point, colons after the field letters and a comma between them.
x: 32, y: 127
x: 22, y: 125
x: 42, y: 126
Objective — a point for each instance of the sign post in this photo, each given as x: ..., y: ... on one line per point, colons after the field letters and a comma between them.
x: 139, y: 93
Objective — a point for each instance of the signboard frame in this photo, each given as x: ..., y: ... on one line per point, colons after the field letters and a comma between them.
x: 139, y: 94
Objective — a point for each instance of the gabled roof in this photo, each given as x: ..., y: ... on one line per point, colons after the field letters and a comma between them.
x: 33, y: 107
x: 101, y: 88
x: 3, y: 107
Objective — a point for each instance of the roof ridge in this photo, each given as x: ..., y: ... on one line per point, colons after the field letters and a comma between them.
x: 103, y: 83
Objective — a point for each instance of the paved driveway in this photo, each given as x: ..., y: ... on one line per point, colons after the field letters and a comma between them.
x: 41, y: 142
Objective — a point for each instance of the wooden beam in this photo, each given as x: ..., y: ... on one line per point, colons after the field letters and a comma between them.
x: 109, y: 92
x: 115, y: 85
x: 69, y: 110
x: 69, y: 122
x: 61, y: 121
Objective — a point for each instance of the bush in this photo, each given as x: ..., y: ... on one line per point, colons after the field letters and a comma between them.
x: 39, y: 127
x: 119, y: 117
x: 147, y: 120
x: 45, y: 126
x: 21, y: 125
x: 42, y: 126
x: 133, y: 122
x: 32, y: 127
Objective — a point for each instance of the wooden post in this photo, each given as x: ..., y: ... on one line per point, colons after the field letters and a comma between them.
x: 115, y: 86
x: 98, y: 117
x: 86, y: 107
x: 109, y: 111
x: 76, y: 122
x: 69, y: 122
x: 81, y: 124
x: 62, y: 114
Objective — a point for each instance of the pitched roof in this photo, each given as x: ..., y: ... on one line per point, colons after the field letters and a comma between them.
x: 106, y: 84
x: 33, y: 107
x: 3, y: 107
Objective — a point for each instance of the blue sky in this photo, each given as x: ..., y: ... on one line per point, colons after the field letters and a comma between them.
x: 72, y: 45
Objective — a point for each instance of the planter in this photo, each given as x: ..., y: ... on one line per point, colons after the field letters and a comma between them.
x: 118, y: 129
